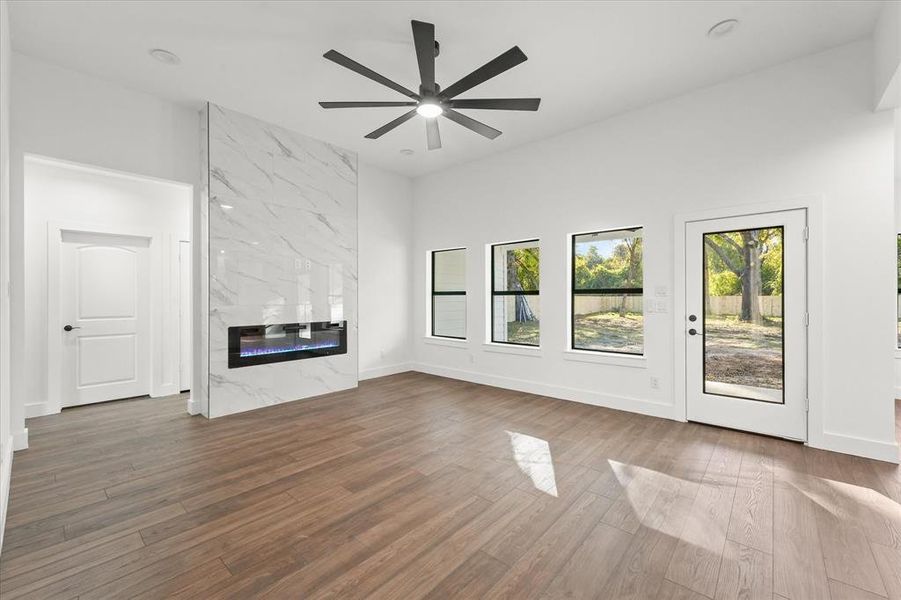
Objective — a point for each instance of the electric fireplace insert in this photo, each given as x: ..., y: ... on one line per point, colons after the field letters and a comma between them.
x: 260, y: 344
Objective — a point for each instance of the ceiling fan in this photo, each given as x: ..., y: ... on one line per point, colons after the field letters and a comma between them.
x: 432, y: 101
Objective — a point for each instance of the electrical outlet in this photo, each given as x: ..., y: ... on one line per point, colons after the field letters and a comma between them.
x: 655, y: 383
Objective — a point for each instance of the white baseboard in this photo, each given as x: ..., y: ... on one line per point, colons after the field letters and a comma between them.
x: 20, y: 440
x: 645, y: 407
x: 847, y: 444
x: 384, y: 371
x: 6, y: 465
x: 193, y: 406
x: 38, y: 409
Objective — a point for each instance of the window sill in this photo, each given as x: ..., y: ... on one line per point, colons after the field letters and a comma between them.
x: 512, y: 349
x: 606, y: 358
x: 449, y: 342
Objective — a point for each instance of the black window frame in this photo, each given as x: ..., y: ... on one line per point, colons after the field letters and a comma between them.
x: 573, y: 291
x: 494, y: 292
x: 442, y: 293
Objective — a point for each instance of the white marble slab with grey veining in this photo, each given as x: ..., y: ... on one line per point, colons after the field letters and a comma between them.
x: 282, y: 249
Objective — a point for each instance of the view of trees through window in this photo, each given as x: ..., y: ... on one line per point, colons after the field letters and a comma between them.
x: 743, y: 329
x: 515, y: 306
x: 607, y: 303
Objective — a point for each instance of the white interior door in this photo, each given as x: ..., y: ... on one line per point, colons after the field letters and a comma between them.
x: 746, y: 323
x: 104, y: 302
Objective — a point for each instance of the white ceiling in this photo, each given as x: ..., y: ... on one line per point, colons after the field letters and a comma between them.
x: 587, y: 60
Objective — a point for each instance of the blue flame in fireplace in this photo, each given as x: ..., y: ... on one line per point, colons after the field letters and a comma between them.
x: 294, y: 348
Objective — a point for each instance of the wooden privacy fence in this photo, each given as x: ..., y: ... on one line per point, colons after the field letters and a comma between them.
x: 770, y: 306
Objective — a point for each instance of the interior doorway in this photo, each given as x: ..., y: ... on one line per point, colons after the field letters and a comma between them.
x: 108, y: 301
x: 746, y: 322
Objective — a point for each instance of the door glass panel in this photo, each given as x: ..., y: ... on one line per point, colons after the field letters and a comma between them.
x: 743, y: 308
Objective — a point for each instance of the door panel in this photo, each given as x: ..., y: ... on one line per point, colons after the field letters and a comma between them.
x: 107, y: 282
x: 106, y: 359
x: 746, y: 327
x: 105, y: 303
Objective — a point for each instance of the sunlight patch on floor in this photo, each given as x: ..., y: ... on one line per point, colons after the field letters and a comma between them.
x: 533, y: 457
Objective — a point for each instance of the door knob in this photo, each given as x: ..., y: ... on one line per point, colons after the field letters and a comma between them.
x: 70, y: 328
x: 692, y: 318
x: 692, y: 331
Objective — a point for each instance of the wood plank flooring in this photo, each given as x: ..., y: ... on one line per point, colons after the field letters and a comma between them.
x: 414, y: 486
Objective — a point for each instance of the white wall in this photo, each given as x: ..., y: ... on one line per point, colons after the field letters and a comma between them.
x: 887, y: 57
x: 73, y: 196
x: 6, y: 442
x: 799, y: 129
x: 63, y: 114
x: 385, y: 220
x: 67, y: 115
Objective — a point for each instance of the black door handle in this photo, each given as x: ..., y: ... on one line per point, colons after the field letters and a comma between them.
x: 70, y: 328
x: 692, y: 331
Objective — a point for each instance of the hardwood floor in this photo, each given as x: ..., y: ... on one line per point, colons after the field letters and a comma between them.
x: 415, y: 486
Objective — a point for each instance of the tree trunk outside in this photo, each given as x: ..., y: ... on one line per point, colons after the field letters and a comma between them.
x: 522, y: 312
x: 751, y: 279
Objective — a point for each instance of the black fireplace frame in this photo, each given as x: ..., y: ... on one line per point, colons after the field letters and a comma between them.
x: 235, y: 360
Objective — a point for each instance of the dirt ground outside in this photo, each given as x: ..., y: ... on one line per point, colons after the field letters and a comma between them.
x: 743, y: 353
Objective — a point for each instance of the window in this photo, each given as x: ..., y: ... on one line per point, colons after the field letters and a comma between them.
x: 515, y: 308
x: 607, y: 312
x: 449, y: 293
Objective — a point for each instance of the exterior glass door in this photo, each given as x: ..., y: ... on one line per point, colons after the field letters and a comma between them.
x: 746, y: 327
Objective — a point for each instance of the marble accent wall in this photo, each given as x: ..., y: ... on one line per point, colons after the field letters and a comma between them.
x: 282, y: 227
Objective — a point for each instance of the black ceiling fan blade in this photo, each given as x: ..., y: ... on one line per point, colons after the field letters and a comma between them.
x: 349, y: 63
x: 469, y: 123
x: 432, y: 134
x: 424, y: 40
x: 492, y: 68
x: 497, y: 103
x: 389, y: 126
x: 363, y: 104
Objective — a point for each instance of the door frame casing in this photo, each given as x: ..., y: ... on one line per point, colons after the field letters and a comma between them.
x: 815, y: 358
x: 159, y: 304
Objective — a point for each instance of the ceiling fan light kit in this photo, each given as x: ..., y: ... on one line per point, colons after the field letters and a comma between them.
x: 431, y: 101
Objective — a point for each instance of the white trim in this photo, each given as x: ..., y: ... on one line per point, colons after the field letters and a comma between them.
x: 38, y: 409
x: 20, y: 440
x: 6, y: 465
x: 897, y: 392
x: 607, y: 358
x: 384, y: 371
x: 635, y: 405
x: 512, y: 349
x: 193, y: 406
x: 848, y: 444
x: 816, y: 437
x: 87, y: 168
x: 442, y: 341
